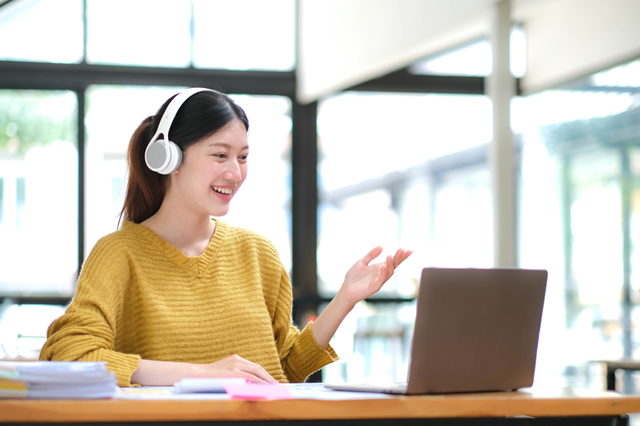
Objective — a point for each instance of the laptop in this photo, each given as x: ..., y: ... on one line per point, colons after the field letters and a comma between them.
x: 476, y: 330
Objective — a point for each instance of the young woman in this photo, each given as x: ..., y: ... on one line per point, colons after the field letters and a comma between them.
x: 176, y: 294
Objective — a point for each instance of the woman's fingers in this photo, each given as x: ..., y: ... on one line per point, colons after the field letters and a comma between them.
x: 377, y: 274
x: 400, y: 256
x: 371, y: 255
x: 382, y: 272
x: 392, y: 263
x: 236, y: 366
x: 261, y: 373
x: 390, y: 267
x: 256, y: 371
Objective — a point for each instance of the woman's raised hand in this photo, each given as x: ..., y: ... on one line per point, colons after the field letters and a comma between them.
x: 364, y: 280
x: 360, y: 282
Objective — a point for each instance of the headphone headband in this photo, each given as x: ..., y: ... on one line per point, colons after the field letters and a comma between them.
x: 163, y: 156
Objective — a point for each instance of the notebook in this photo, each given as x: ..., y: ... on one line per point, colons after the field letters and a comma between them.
x: 476, y: 330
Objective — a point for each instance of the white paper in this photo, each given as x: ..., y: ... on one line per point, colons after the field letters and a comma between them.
x: 205, y: 385
x: 165, y: 392
x: 318, y: 391
x: 298, y: 391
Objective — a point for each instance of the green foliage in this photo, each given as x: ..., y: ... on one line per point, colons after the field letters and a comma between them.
x: 31, y: 118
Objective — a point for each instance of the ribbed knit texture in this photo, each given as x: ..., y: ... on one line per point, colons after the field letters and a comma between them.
x: 140, y: 297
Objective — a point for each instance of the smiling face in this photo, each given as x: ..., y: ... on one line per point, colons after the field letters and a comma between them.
x: 212, y: 171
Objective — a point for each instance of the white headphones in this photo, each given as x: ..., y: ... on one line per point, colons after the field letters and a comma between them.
x: 163, y: 156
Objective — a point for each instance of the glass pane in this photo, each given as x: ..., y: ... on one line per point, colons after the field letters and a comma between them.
x: 474, y: 59
x: 141, y: 32
x: 366, y: 135
x: 353, y: 219
x: 1, y: 201
x: 572, y: 217
x: 463, y: 212
x: 24, y: 330
x: 39, y: 196
x: 245, y: 34
x: 115, y: 112
x: 374, y: 343
x: 634, y: 237
x: 625, y: 76
x: 42, y: 31
x: 378, y: 188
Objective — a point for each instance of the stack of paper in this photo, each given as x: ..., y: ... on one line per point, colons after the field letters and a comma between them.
x: 59, y: 380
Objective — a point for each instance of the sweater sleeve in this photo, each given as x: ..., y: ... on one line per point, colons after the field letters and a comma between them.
x: 86, y: 331
x: 300, y: 354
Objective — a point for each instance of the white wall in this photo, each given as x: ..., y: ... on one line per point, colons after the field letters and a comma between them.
x: 345, y: 42
x: 576, y: 38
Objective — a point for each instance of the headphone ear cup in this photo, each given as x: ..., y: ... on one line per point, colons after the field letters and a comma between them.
x: 162, y: 156
x: 175, y: 158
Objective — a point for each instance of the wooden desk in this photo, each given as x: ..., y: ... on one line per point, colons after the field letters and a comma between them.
x: 566, y: 406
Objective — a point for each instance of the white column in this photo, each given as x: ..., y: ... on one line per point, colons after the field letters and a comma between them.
x: 501, y: 88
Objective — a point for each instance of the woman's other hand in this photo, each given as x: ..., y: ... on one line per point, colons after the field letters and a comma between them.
x: 235, y: 366
x: 164, y: 373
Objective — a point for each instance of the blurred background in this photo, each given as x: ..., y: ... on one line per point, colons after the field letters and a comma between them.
x: 372, y: 123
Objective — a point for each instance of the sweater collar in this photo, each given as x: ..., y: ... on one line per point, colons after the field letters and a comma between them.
x: 162, y: 246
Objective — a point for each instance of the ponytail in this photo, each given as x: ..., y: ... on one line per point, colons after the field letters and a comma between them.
x: 145, y: 188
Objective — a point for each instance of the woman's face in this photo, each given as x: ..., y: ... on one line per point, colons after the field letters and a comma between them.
x: 212, y: 171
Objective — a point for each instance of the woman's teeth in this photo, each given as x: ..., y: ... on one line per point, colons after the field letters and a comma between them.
x: 222, y: 190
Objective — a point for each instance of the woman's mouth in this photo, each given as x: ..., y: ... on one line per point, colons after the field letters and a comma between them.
x: 222, y: 190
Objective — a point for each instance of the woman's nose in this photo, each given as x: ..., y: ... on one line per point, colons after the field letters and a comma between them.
x: 233, y: 171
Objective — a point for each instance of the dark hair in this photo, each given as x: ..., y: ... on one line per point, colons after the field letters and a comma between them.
x: 202, y: 115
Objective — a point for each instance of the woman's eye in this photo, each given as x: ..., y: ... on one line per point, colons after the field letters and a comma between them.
x: 244, y: 157
x: 220, y: 155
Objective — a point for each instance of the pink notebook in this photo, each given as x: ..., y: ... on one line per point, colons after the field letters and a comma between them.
x: 257, y: 391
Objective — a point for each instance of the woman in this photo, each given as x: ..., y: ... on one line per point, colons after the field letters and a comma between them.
x: 176, y: 294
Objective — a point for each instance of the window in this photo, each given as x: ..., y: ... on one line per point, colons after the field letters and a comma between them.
x: 141, y: 32
x: 374, y: 343
x: 388, y: 177
x: 39, y: 172
x: 205, y: 34
x: 226, y: 36
x: 377, y: 175
x: 20, y: 200
x: 1, y: 200
x: 24, y: 329
x: 43, y: 31
x: 579, y: 217
x: 175, y: 33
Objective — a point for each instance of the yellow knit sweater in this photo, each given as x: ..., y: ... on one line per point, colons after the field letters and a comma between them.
x: 140, y: 297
